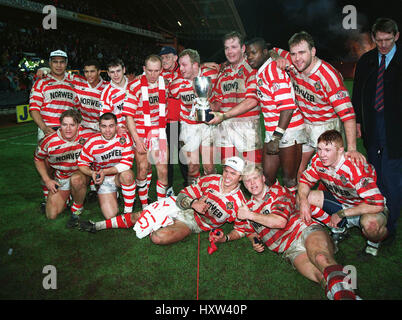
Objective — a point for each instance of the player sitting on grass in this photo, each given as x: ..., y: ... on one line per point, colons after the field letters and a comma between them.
x: 272, y: 220
x: 203, y: 206
x: 351, y: 192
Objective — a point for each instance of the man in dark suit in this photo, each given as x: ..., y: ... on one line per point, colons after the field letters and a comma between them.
x: 377, y: 98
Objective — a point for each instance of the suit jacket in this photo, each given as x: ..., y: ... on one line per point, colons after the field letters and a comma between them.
x: 364, y: 88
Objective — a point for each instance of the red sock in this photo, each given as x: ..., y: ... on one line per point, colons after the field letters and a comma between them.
x: 76, y: 207
x: 335, y: 278
x: 122, y: 221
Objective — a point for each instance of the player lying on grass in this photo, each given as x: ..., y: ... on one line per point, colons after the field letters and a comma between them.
x: 56, y: 160
x: 272, y: 220
x: 203, y: 206
x: 351, y: 194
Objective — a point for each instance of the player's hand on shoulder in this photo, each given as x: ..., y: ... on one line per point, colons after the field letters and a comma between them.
x: 355, y: 156
x: 282, y: 63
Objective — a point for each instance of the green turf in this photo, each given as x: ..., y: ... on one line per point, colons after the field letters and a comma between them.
x: 116, y: 264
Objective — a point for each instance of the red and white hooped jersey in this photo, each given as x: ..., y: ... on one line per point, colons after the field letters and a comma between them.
x: 280, y: 201
x: 321, y: 96
x: 350, y: 183
x: 51, y: 97
x: 182, y: 89
x: 89, y: 97
x: 173, y: 105
x: 134, y: 106
x: 222, y: 207
x: 235, y: 84
x: 62, y: 155
x: 112, y: 100
x: 102, y: 154
x: 276, y: 94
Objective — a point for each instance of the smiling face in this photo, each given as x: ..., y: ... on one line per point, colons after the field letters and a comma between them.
x: 255, y: 184
x: 69, y: 128
x: 92, y: 74
x: 234, y: 51
x: 329, y: 153
x: 116, y: 74
x: 302, y: 56
x: 58, y: 66
x: 168, y: 61
x: 188, y: 69
x: 108, y: 128
x: 256, y: 56
x: 231, y: 178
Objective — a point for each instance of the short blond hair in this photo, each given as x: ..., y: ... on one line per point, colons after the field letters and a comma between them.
x: 251, y: 168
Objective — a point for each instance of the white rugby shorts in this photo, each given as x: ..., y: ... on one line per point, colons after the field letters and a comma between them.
x: 108, y: 185
x: 195, y: 135
x: 290, y: 138
x: 65, y: 184
x: 313, y: 131
x: 244, y: 135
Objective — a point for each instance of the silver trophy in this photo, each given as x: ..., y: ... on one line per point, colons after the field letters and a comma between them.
x: 202, y: 88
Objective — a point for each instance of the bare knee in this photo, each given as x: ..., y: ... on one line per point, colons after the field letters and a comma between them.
x: 157, y: 238
x: 78, y: 181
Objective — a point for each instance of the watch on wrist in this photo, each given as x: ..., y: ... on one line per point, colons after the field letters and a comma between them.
x: 341, y: 214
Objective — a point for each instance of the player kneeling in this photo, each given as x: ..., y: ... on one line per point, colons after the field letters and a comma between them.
x: 56, y: 160
x: 107, y: 158
x: 273, y: 221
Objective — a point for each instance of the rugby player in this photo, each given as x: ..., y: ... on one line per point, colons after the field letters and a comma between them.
x: 56, y: 160
x: 209, y: 203
x: 107, y: 158
x: 145, y: 112
x: 52, y: 95
x: 89, y: 89
x: 196, y: 137
x: 284, y: 125
x: 321, y: 97
x: 236, y: 84
x: 171, y: 71
x: 115, y: 93
x: 272, y: 220
x: 351, y: 192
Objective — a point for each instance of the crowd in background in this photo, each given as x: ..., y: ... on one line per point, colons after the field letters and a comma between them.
x: 80, y: 41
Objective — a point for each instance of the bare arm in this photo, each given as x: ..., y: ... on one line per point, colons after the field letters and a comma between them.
x: 37, y: 118
x: 362, y: 208
x: 303, y: 191
x: 139, y: 144
x: 350, y: 132
x: 244, y: 106
x: 49, y: 182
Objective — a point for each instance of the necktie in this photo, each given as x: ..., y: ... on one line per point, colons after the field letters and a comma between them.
x: 379, y: 96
